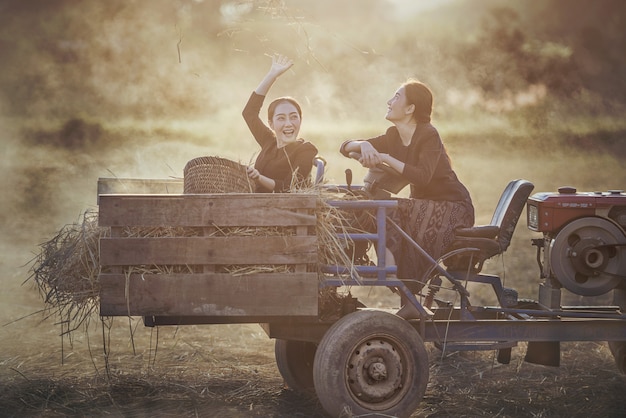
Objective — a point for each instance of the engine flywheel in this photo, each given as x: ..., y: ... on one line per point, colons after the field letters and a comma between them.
x: 586, y: 256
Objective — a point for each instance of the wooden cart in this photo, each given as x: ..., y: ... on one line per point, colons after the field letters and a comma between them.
x: 366, y: 361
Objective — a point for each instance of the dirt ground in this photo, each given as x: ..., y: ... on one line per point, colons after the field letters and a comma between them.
x: 230, y: 371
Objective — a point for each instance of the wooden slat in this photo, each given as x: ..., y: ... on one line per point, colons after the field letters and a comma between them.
x: 208, y: 250
x: 209, y: 295
x: 251, y: 209
x: 139, y: 186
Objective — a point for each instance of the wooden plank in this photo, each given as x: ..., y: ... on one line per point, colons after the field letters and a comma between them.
x: 224, y: 210
x: 209, y: 295
x: 208, y: 231
x: 139, y: 186
x: 208, y: 250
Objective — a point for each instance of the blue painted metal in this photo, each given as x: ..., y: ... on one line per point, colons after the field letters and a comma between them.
x: 381, y: 270
x: 381, y: 274
x: 473, y: 327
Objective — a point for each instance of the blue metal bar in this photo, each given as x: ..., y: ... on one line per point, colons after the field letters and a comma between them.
x: 381, y: 270
x: 355, y: 236
x: 388, y: 282
x: 560, y: 313
x: 381, y: 247
x: 320, y: 164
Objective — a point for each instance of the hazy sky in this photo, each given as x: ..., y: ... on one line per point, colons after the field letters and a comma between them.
x: 116, y: 88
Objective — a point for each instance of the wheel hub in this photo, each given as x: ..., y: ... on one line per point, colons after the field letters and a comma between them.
x: 375, y: 371
x: 588, y: 257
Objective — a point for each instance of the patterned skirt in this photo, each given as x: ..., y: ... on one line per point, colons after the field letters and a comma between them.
x: 431, y: 224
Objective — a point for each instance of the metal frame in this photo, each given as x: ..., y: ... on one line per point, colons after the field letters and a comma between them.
x: 474, y: 326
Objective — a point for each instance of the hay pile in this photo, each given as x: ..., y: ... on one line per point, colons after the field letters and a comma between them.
x: 66, y: 271
x: 67, y: 267
x: 333, y: 222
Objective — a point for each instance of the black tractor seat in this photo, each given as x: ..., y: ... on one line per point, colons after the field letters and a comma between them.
x: 493, y: 239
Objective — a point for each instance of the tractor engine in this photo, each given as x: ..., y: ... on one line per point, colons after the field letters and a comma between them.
x: 584, y: 243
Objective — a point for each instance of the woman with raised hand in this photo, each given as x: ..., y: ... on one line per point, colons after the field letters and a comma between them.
x: 285, y: 161
x: 438, y: 203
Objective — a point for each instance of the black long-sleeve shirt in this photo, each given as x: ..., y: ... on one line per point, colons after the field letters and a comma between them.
x: 279, y: 164
x: 426, y: 163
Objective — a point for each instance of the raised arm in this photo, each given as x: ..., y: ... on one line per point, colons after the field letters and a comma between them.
x: 262, y: 133
x: 280, y: 64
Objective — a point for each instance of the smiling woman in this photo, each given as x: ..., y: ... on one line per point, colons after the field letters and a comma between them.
x: 284, y: 160
x: 438, y: 202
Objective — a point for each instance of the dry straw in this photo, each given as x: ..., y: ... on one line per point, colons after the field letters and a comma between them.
x: 66, y: 271
x: 67, y: 267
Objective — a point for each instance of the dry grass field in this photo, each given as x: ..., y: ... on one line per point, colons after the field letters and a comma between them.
x: 126, y: 89
x: 230, y: 371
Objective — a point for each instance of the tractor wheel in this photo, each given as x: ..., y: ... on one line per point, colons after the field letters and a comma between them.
x: 371, y: 363
x: 618, y: 348
x: 295, y: 363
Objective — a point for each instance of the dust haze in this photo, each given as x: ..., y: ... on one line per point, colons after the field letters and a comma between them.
x: 131, y: 89
x: 137, y: 89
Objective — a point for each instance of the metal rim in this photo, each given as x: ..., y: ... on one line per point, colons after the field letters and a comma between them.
x: 371, y: 362
x: 377, y: 372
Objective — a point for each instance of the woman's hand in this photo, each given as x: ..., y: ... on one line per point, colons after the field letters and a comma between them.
x: 370, y: 157
x: 260, y: 179
x: 253, y: 173
x: 280, y: 64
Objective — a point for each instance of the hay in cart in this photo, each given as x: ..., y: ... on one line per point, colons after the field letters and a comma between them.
x: 67, y: 268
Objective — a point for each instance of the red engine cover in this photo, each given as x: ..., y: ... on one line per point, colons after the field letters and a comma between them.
x: 548, y: 212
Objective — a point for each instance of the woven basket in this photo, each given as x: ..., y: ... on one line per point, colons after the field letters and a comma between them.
x: 215, y: 175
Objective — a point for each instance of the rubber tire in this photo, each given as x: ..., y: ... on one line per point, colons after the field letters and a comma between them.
x: 618, y: 348
x: 354, y: 335
x: 294, y: 360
